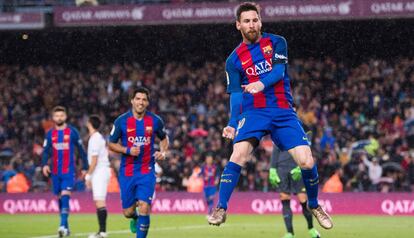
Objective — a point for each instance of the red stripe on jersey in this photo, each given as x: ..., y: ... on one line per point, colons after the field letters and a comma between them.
x: 146, y: 158
x: 246, y: 59
x: 66, y: 150
x: 131, y: 130
x: 280, y: 91
x: 55, y: 151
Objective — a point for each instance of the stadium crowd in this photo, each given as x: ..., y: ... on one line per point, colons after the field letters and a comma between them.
x: 361, y: 118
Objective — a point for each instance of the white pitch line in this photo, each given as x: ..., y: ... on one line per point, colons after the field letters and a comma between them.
x: 156, y: 229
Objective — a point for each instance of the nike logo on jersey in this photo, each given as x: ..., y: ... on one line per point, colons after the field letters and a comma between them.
x: 129, y: 130
x: 245, y: 62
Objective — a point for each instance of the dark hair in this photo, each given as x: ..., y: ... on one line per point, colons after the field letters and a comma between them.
x: 59, y: 109
x: 140, y: 89
x: 95, y: 121
x: 247, y: 6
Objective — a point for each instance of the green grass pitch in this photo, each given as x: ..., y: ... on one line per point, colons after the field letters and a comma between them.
x: 195, y: 226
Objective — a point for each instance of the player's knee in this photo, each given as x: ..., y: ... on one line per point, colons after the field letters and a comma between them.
x: 143, y: 208
x: 307, y: 163
x: 284, y: 196
x: 128, y: 213
x: 239, y: 157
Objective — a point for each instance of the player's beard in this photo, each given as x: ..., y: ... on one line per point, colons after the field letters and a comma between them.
x: 139, y: 110
x: 251, y: 35
x: 60, y: 123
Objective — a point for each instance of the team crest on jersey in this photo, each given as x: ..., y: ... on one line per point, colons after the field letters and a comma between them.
x: 267, y: 50
x: 148, y: 129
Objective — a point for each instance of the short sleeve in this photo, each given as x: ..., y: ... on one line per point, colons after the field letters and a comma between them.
x: 94, y: 146
x: 115, y: 132
x: 160, y: 129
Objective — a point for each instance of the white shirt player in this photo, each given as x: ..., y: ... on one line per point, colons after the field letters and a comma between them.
x: 101, y: 174
x: 97, y: 147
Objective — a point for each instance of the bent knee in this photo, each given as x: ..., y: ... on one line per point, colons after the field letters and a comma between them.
x: 241, y: 152
x: 144, y: 208
x: 128, y: 214
x: 306, y: 164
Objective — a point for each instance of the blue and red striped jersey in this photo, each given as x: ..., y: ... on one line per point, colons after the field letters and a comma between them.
x: 133, y: 132
x: 249, y: 63
x: 209, y: 174
x: 60, y: 145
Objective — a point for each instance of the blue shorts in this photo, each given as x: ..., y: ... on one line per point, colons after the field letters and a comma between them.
x: 62, y: 182
x: 209, y: 191
x: 137, y: 187
x: 283, y: 125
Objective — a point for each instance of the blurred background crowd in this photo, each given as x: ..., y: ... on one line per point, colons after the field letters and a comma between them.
x: 361, y: 118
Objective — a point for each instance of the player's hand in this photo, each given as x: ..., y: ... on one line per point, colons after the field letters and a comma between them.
x: 134, y: 151
x: 46, y: 170
x: 296, y: 173
x: 83, y: 173
x: 228, y: 132
x: 273, y: 177
x: 253, y: 88
x: 88, y: 184
x: 160, y: 155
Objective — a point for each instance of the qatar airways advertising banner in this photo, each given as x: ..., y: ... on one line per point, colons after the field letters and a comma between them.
x: 14, y: 21
x: 391, y: 204
x: 193, y: 13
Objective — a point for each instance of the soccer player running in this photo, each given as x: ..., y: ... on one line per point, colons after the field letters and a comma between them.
x: 136, y: 130
x: 286, y: 175
x: 210, y: 175
x: 99, y: 172
x: 61, y: 141
x: 261, y: 103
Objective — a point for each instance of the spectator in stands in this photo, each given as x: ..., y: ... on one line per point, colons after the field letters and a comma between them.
x: 374, y: 171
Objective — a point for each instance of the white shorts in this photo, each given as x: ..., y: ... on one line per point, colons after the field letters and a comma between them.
x: 100, y: 179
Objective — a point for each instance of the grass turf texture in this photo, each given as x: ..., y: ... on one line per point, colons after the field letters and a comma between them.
x: 195, y: 226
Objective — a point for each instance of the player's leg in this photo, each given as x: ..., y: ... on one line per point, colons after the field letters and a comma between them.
x: 143, y: 223
x: 144, y: 195
x: 308, y: 216
x: 229, y: 179
x: 64, y: 185
x: 287, y: 214
x: 130, y: 213
x: 64, y: 213
x: 209, y: 197
x: 127, y: 192
x: 57, y: 188
x: 252, y: 126
x: 100, y: 181
x: 289, y: 135
x: 303, y: 157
